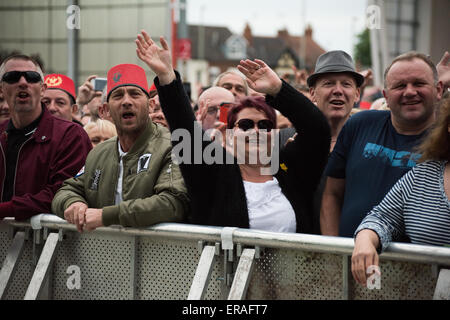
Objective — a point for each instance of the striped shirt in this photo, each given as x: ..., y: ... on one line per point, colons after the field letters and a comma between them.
x: 417, y: 206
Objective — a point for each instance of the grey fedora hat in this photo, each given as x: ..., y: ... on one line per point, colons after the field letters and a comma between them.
x: 334, y: 62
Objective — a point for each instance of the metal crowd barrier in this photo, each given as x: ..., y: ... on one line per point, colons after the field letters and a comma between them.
x: 46, y: 258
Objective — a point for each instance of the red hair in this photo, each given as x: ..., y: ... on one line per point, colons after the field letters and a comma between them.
x: 258, y: 103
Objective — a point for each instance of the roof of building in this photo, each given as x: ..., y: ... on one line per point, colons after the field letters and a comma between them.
x: 268, y: 49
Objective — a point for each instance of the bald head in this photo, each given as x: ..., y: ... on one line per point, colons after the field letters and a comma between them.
x: 209, y: 102
x: 216, y: 95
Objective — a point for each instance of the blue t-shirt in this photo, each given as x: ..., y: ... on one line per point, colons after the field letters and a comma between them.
x: 371, y: 156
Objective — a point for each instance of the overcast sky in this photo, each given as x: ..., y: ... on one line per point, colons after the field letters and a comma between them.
x: 335, y: 23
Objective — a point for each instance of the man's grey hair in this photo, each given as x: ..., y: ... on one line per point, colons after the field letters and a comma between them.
x: 20, y: 57
x: 235, y: 72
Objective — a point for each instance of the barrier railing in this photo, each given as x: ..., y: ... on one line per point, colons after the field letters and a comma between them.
x: 46, y: 258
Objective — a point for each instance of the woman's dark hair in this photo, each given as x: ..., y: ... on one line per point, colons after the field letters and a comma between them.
x: 258, y: 103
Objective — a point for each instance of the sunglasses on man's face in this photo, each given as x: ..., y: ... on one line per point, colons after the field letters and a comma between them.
x: 247, y: 124
x: 14, y: 76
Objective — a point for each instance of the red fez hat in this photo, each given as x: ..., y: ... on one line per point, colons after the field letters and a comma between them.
x: 61, y: 82
x: 126, y: 75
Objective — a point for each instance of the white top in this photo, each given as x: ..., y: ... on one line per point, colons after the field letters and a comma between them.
x: 119, y: 198
x: 268, y: 207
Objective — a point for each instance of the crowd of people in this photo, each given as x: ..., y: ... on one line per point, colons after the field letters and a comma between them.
x: 257, y: 151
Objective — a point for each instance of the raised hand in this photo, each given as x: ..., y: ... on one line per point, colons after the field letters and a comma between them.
x: 368, y: 77
x: 260, y: 77
x: 86, y: 92
x: 159, y: 60
x: 300, y: 76
x: 443, y: 69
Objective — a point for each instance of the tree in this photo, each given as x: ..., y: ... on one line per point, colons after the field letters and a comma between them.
x: 362, y: 49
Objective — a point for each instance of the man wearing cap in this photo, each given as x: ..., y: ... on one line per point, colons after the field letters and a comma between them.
x: 376, y: 148
x: 37, y: 151
x: 334, y: 87
x: 130, y: 179
x: 59, y: 98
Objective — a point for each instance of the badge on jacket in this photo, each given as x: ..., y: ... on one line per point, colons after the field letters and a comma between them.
x: 95, y: 180
x: 80, y: 172
x: 143, y: 162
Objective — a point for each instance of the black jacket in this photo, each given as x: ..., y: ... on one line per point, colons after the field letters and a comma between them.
x: 217, y: 190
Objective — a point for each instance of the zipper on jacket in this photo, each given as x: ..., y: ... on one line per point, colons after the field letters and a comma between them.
x: 117, y: 182
x: 17, y: 162
x: 4, y: 167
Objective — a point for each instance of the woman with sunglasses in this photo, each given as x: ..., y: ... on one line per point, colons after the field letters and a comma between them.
x: 246, y: 192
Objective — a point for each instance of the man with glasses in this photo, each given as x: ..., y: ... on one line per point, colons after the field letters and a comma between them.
x: 37, y: 151
x: 210, y: 102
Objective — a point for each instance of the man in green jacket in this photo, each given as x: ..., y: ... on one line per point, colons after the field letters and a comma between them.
x: 130, y: 179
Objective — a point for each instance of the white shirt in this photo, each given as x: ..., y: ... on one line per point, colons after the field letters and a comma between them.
x: 268, y: 207
x: 119, y: 198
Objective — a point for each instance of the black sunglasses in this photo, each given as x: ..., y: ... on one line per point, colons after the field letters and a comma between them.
x: 14, y: 76
x: 247, y: 124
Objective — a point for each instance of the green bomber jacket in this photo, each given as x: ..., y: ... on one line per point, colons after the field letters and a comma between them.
x: 153, y: 188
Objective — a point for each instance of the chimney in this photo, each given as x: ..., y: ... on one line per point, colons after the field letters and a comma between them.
x: 248, y: 34
x: 283, y: 34
x: 308, y: 32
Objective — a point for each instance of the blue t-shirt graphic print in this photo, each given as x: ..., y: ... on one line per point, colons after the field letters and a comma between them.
x: 403, y: 159
x: 371, y: 156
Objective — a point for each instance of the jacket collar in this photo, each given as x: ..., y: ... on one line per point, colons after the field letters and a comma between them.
x: 44, y: 130
x: 141, y: 142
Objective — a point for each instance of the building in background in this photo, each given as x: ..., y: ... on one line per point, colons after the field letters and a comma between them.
x: 106, y: 34
x: 216, y: 49
x: 108, y: 28
x: 398, y: 26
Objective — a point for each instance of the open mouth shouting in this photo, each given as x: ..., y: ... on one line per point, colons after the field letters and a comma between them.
x: 337, y: 103
x: 23, y: 96
x: 128, y: 115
